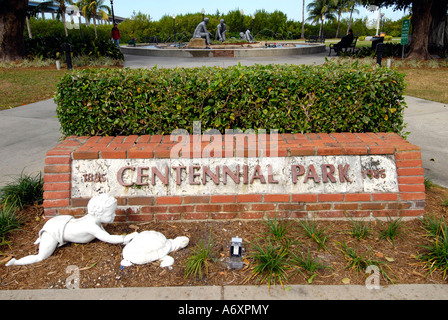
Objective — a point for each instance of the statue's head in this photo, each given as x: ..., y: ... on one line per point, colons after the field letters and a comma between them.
x: 206, y: 20
x: 221, y: 21
x: 103, y: 207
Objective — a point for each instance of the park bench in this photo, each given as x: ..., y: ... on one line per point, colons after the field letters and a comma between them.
x: 314, y: 39
x: 351, y: 47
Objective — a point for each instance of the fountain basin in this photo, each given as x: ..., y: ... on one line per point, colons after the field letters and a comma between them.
x: 224, y: 50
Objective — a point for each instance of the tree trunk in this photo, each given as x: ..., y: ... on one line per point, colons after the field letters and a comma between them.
x: 438, y: 31
x: 421, y: 23
x: 12, y: 24
x: 303, y: 20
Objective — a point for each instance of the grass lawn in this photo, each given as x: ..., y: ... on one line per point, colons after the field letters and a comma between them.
x: 21, y: 86
x: 429, y: 84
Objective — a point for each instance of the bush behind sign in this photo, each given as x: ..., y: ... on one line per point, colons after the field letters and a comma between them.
x: 290, y: 98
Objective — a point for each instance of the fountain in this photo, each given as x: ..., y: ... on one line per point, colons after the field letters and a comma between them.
x: 186, y: 46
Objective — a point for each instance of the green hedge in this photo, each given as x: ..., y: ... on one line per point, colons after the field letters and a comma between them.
x: 290, y: 98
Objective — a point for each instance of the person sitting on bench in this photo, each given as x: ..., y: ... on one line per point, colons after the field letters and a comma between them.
x: 345, y: 42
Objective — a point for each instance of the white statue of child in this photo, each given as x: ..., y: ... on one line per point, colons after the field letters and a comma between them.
x: 65, y: 228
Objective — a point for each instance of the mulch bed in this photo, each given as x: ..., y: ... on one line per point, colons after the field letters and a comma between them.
x: 99, y: 262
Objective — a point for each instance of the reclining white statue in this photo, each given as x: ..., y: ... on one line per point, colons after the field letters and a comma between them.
x: 62, y: 229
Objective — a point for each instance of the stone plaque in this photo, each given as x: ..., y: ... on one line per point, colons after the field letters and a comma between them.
x: 238, y: 175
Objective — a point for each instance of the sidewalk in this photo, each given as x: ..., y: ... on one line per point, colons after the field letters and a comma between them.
x: 243, y: 293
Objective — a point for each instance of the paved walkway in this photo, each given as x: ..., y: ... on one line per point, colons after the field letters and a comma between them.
x: 28, y: 132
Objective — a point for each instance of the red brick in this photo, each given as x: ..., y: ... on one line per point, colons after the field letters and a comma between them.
x: 57, y: 178
x: 196, y: 215
x: 208, y: 208
x: 354, y: 150
x: 132, y: 201
x: 413, y: 196
x: 412, y: 213
x: 357, y: 197
x: 382, y: 149
x: 56, y: 203
x: 330, y: 197
x: 318, y: 206
x: 408, y: 155
x: 234, y: 207
x: 384, y: 197
x: 329, y: 151
x: 251, y: 215
x: 412, y: 188
x: 345, y: 206
x: 80, y: 202
x: 304, y: 197
x: 154, y: 209
x: 58, y: 160
x: 141, y: 217
x: 409, y: 163
x: 411, y: 180
x: 57, y: 169
x: 249, y: 198
x: 59, y: 186
x: 290, y: 207
x: 329, y: 214
x: 222, y: 215
x: 56, y: 195
x: 180, y: 209
x: 262, y: 206
x: 113, y: 154
x: 81, y: 155
x: 384, y: 213
x: 223, y: 199
x: 372, y: 206
x: 196, y: 199
x: 76, y: 212
x: 276, y: 198
x: 168, y: 200
x: 167, y: 216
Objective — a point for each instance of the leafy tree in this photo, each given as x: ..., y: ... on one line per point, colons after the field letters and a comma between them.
x: 420, y: 21
x: 93, y: 8
x: 319, y: 10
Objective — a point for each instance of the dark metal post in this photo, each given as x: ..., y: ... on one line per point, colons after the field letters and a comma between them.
x: 68, y: 56
x: 379, y: 52
x: 112, y: 7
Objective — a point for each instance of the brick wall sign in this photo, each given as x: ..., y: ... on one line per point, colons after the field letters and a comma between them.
x: 241, y: 176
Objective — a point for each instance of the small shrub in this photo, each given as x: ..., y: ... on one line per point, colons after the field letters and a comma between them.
x: 359, y: 229
x: 391, y: 230
x: 435, y: 256
x: 24, y: 190
x: 290, y: 98
x: 308, y: 264
x: 270, y: 263
x: 199, y: 261
x: 314, y: 232
x: 9, y: 219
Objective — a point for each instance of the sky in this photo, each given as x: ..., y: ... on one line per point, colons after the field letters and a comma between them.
x: 156, y: 9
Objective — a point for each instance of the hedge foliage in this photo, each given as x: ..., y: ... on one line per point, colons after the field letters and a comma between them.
x: 290, y: 98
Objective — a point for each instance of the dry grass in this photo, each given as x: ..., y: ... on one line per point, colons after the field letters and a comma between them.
x: 427, y: 83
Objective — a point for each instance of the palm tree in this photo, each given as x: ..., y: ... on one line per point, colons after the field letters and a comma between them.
x: 303, y: 20
x: 92, y: 8
x: 62, y: 10
x: 321, y: 10
x: 342, y: 6
x: 352, y: 4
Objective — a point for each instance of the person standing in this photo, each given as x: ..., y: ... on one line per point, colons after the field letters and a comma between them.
x: 115, y: 34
